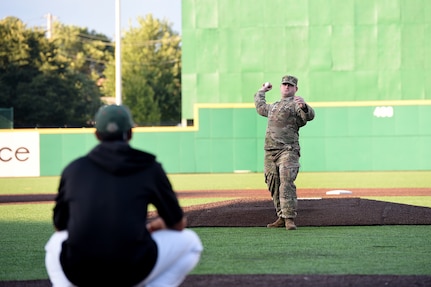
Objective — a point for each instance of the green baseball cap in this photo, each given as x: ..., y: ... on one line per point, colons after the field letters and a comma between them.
x: 289, y: 80
x: 113, y: 120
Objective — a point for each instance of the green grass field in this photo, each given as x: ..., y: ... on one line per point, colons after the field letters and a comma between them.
x: 403, y: 250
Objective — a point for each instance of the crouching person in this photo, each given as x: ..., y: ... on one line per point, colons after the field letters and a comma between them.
x: 103, y: 237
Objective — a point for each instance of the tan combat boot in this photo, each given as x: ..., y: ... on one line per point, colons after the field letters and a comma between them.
x: 278, y: 223
x: 290, y: 225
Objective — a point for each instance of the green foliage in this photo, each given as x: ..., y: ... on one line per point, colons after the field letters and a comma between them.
x: 44, y: 87
x: 151, y: 73
x: 58, y: 82
x: 55, y: 101
x: 85, y: 52
x: 141, y: 100
x: 15, y: 48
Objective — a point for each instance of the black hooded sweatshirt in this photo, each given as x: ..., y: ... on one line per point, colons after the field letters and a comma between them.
x: 102, y: 202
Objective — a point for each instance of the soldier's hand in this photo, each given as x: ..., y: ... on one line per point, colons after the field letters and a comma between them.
x: 266, y: 87
x: 300, y: 101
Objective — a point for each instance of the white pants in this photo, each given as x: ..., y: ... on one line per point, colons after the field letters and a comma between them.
x: 178, y: 254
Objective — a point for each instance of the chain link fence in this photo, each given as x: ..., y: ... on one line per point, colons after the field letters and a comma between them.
x: 6, y: 118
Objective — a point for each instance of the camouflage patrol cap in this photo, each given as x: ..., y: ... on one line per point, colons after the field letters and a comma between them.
x: 289, y: 80
x: 113, y: 120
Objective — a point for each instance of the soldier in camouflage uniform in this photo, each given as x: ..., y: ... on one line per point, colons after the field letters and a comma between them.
x: 282, y: 150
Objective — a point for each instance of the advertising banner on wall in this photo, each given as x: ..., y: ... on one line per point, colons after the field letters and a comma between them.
x: 19, y: 154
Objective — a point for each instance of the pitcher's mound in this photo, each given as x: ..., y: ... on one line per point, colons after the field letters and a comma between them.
x: 311, y: 212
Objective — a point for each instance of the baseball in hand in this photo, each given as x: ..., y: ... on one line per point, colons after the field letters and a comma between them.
x: 267, y: 85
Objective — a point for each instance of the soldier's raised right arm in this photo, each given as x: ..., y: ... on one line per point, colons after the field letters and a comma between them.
x: 262, y: 107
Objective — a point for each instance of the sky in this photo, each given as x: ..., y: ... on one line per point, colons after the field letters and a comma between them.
x: 97, y: 15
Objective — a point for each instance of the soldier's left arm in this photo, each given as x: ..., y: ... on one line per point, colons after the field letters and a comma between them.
x: 305, y: 111
x: 308, y: 111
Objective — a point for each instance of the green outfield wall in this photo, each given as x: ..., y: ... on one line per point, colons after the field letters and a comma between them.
x: 230, y: 137
x: 364, y: 64
x: 341, y: 50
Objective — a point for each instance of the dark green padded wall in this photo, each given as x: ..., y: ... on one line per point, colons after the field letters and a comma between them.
x: 353, y: 138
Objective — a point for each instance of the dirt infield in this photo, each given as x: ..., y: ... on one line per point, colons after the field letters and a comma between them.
x: 315, y: 208
x: 248, y: 194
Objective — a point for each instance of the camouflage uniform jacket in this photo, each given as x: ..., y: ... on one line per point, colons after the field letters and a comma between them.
x: 285, y: 118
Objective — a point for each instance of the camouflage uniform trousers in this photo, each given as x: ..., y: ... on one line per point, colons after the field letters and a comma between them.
x: 281, y: 170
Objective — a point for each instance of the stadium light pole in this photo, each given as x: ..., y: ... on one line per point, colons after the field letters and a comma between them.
x: 118, y: 82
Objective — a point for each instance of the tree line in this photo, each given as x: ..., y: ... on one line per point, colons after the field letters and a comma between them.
x: 63, y: 80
